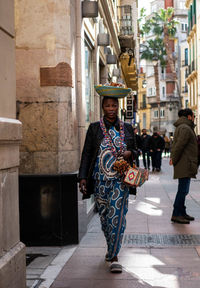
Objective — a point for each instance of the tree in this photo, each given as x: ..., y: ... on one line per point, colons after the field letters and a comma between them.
x: 163, y: 25
x: 154, y: 51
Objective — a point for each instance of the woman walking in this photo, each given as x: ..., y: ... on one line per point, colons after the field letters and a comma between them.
x: 105, y: 141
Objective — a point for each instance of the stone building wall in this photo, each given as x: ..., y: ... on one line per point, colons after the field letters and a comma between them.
x: 45, y: 57
x: 12, y: 251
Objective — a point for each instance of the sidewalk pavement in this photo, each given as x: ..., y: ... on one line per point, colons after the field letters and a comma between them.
x: 155, y: 252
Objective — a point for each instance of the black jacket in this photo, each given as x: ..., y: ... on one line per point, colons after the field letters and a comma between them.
x: 92, y: 143
x: 156, y: 143
x: 138, y: 142
x: 145, y: 142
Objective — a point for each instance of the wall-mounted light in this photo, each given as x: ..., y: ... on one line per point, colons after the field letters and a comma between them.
x: 103, y: 39
x: 111, y: 59
x: 89, y: 9
x: 116, y: 72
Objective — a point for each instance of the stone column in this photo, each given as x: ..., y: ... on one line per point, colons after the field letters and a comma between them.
x: 12, y: 251
x: 45, y: 43
x: 47, y: 103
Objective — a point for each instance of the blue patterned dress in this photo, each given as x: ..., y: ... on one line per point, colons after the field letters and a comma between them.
x: 111, y: 195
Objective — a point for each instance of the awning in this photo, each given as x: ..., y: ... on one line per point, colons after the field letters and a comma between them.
x: 129, y: 71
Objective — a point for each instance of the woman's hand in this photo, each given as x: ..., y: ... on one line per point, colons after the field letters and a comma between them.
x: 126, y: 155
x: 170, y: 162
x: 82, y: 186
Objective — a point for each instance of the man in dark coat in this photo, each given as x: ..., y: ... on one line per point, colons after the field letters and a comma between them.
x: 184, y: 158
x: 156, y: 146
x: 145, y: 148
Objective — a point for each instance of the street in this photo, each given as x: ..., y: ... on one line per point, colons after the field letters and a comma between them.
x: 155, y: 252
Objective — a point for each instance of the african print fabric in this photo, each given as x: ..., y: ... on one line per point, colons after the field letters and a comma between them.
x: 112, y: 204
x: 103, y: 169
x: 111, y: 195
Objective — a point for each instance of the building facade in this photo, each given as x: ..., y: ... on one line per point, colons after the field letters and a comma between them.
x: 170, y: 85
x: 12, y: 251
x: 143, y: 107
x: 184, y: 74
x: 193, y: 73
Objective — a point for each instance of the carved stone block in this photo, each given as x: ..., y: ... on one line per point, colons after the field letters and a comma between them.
x: 60, y: 75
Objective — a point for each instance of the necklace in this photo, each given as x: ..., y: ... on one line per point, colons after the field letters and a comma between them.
x: 109, y: 141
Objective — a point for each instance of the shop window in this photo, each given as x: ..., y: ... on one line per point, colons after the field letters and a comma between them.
x: 88, y: 81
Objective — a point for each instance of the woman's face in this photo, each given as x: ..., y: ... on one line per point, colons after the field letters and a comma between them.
x: 110, y: 109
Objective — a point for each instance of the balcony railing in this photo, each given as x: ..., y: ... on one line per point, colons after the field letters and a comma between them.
x: 190, y: 69
x: 125, y: 20
x: 180, y: 12
x: 173, y: 95
x: 170, y: 76
x: 152, y: 100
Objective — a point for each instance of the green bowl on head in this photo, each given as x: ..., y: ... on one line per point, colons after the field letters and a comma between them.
x: 112, y: 91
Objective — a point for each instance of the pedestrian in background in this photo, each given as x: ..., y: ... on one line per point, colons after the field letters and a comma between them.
x: 156, y: 147
x: 184, y: 158
x: 198, y: 143
x: 167, y: 145
x: 145, y: 138
x: 105, y: 141
x: 138, y: 145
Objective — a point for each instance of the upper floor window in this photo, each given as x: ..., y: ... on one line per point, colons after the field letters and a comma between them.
x: 155, y: 114
x: 184, y: 27
x: 144, y: 103
x: 181, y: 4
x: 152, y: 91
x: 162, y: 113
x: 163, y: 91
x: 186, y: 56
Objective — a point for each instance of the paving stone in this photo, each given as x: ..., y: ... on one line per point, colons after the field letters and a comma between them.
x: 156, y: 252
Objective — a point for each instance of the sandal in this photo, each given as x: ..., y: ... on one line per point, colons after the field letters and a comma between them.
x: 115, y: 267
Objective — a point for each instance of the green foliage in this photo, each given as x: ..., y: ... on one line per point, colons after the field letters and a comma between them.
x: 156, y: 24
x: 153, y: 49
x: 161, y: 22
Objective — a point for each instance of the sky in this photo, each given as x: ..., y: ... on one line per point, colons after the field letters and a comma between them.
x: 145, y: 4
